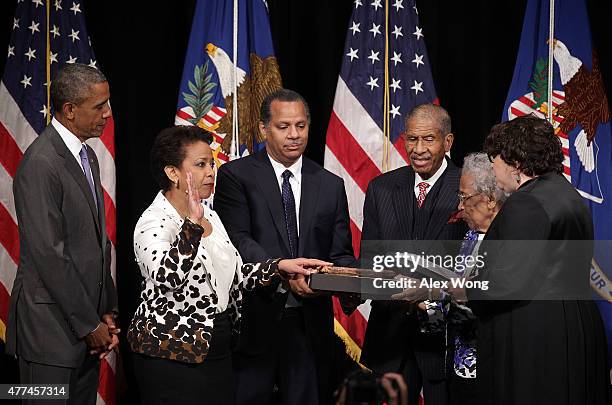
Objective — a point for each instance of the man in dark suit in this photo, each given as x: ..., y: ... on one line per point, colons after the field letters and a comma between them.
x: 413, y: 203
x: 61, y: 318
x: 277, y: 203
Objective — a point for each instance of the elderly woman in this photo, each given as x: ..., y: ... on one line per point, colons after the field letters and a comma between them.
x: 538, y: 342
x: 193, y: 279
x: 480, y: 199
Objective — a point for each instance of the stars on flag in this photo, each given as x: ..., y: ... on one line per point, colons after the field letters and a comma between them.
x: 375, y: 29
x: 397, y: 31
x: 76, y: 8
x: 397, y: 58
x: 71, y: 59
x: 15, y: 23
x: 34, y: 27
x: 74, y: 35
x: 418, y: 33
x: 353, y: 54
x: 37, y: 2
x: 26, y: 81
x: 44, y: 111
x: 92, y: 63
x: 395, y: 84
x: 373, y: 56
x: 55, y: 31
x: 408, y: 80
x: 418, y: 86
x: 30, y: 54
x: 58, y: 5
x: 372, y: 83
x: 11, y: 51
x: 418, y: 60
x: 395, y: 110
x: 54, y: 57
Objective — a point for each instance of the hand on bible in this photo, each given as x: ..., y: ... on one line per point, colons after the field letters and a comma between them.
x: 290, y: 268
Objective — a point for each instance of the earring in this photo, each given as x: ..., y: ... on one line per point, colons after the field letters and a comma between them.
x: 176, y: 183
x: 518, y: 179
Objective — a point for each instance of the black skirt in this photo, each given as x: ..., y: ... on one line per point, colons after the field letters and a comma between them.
x: 163, y: 381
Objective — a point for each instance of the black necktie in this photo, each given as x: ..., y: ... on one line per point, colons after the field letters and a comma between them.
x: 290, y: 217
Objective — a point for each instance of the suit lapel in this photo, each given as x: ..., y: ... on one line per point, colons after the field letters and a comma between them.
x: 308, y: 201
x: 266, y: 179
x: 445, y: 203
x: 404, y: 201
x: 76, y: 172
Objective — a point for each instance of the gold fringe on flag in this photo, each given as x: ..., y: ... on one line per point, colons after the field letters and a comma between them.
x: 352, y: 349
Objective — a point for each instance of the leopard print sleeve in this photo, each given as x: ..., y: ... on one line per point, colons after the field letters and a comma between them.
x: 166, y: 260
x: 259, y: 274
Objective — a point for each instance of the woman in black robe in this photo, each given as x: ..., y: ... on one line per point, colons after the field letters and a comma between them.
x: 540, y: 337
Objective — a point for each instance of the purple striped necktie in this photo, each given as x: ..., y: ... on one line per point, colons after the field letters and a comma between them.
x: 87, y: 170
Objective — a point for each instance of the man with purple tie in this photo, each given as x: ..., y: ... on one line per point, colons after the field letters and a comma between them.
x: 63, y: 303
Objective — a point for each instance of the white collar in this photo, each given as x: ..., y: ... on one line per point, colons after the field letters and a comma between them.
x: 432, y: 180
x: 73, y: 143
x: 295, y: 168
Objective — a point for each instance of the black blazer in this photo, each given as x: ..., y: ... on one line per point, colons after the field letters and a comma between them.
x: 248, y: 200
x: 63, y: 283
x: 387, y: 215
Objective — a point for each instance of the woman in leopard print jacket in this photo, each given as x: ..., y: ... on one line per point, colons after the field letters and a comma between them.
x: 191, y: 302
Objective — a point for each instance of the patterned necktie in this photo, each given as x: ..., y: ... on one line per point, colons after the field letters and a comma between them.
x: 87, y: 170
x: 290, y: 217
x: 422, y: 193
x: 467, y: 246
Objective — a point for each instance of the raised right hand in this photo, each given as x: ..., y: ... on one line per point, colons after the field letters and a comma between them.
x: 194, y: 203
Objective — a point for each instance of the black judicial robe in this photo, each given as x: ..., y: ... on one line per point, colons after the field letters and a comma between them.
x: 534, y: 350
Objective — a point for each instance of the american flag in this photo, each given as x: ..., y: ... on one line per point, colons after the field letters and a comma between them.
x: 25, y: 112
x: 385, y: 73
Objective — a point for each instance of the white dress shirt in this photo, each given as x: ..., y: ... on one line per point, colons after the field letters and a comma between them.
x: 431, y: 181
x: 73, y: 143
x: 295, y: 182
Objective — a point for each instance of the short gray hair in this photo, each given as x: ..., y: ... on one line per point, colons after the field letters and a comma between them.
x: 71, y: 84
x: 479, y: 166
x: 432, y: 112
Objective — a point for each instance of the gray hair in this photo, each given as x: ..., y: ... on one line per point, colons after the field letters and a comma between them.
x: 434, y: 113
x: 71, y: 84
x: 479, y: 166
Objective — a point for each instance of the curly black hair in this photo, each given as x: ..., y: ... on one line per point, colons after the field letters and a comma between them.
x: 529, y: 142
x: 169, y: 149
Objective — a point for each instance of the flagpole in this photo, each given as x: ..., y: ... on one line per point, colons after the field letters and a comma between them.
x: 386, y: 123
x: 48, y: 63
x: 551, y: 46
x: 234, y: 145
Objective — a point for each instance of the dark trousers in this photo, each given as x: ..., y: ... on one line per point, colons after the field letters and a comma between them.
x: 169, y: 382
x: 463, y: 391
x: 82, y: 381
x: 285, y: 374
x: 420, y: 370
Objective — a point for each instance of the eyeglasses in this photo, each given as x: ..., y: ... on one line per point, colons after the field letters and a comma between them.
x: 464, y: 197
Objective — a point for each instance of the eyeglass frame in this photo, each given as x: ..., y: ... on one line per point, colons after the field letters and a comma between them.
x: 464, y: 197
